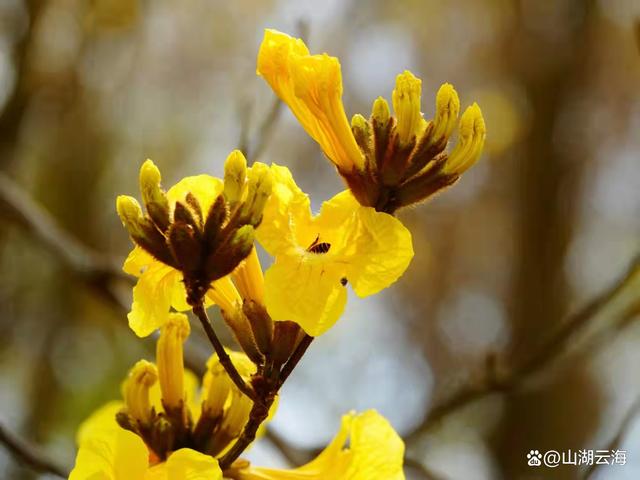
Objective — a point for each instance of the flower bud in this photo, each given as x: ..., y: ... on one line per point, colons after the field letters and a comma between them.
x: 237, y: 415
x: 154, y: 199
x: 447, y: 110
x: 470, y: 142
x: 136, y: 387
x: 169, y: 357
x: 130, y: 214
x: 235, y: 175
x: 380, y: 111
x: 406, y: 105
x: 362, y: 133
x: 259, y: 189
x: 216, y: 388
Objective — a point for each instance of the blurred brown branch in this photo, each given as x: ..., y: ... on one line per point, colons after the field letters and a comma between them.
x: 614, y: 304
x: 29, y: 454
x: 94, y: 269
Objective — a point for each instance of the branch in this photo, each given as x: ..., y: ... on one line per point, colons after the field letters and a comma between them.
x: 94, y: 269
x: 614, y: 303
x: 29, y: 454
x: 224, y: 358
x: 101, y: 274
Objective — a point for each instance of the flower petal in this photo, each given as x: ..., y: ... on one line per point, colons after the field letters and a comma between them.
x: 111, y: 454
x: 152, y: 297
x: 365, y: 448
x: 306, y: 291
x: 287, y: 209
x: 187, y: 464
x: 103, y: 419
x: 377, y: 449
x: 383, y: 250
x: 204, y: 187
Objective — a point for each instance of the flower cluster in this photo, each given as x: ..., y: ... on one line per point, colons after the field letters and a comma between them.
x: 195, y: 246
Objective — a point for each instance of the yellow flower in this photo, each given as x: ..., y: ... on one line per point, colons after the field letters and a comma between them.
x: 315, y: 256
x: 312, y: 87
x: 108, y: 452
x: 145, y: 437
x: 183, y: 233
x: 387, y: 161
x: 365, y: 448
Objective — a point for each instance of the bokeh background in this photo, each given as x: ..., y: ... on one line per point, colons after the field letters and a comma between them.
x: 546, y: 222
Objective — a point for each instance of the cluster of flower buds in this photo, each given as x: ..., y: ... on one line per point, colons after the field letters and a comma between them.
x: 174, y: 419
x: 405, y: 158
x: 203, y: 245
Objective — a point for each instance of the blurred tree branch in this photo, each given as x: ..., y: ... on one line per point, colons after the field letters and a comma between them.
x: 616, y: 303
x: 102, y: 274
x: 93, y: 268
x: 29, y: 454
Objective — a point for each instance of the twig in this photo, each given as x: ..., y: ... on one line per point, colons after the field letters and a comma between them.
x: 546, y: 354
x: 224, y: 358
x: 618, y: 438
x: 29, y: 454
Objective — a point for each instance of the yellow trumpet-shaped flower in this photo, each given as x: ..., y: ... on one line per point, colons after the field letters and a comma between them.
x: 312, y: 87
x: 387, y: 161
x: 315, y: 256
x: 365, y: 448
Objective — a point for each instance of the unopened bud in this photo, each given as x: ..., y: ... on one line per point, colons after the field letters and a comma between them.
x: 153, y: 197
x: 259, y: 189
x: 239, y: 324
x: 261, y: 324
x: 380, y: 111
x: 141, y: 378
x: 169, y: 357
x: 362, y: 133
x: 470, y: 142
x: 216, y: 217
x: 406, y: 105
x: 130, y: 214
x: 235, y: 175
x: 242, y: 240
x: 237, y: 415
x: 447, y: 110
x: 216, y: 388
